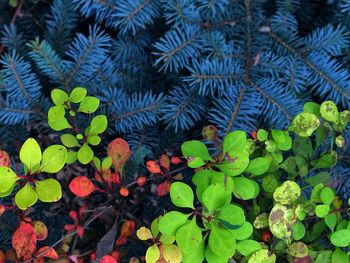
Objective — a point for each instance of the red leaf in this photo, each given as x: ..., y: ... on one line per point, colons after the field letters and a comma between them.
x: 82, y: 210
x: 5, y: 159
x: 163, y: 188
x: 49, y: 252
x: 81, y: 186
x: 80, y: 231
x: 141, y: 181
x: 119, y: 151
x: 125, y: 232
x: 153, y: 167
x: 2, y: 210
x: 175, y: 160
x: 69, y: 227
x: 24, y: 241
x: 165, y: 161
x: 74, y: 216
x: 254, y: 135
x: 40, y: 230
x: 108, y: 259
x: 124, y: 191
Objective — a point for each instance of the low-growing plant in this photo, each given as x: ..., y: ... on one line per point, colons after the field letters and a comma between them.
x: 260, y: 199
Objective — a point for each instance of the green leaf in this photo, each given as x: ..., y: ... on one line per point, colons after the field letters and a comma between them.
x: 339, y: 256
x: 234, y: 141
x: 214, y: 197
x: 247, y: 247
x: 344, y: 118
x: 8, y: 178
x: 327, y: 160
x: 298, y: 231
x: 26, y: 197
x: 322, y: 177
x: 89, y: 104
x: 282, y: 139
x: 195, y: 256
x: 69, y: 140
x: 280, y: 221
x: 270, y: 183
x: 322, y: 210
x: 262, y: 256
x: 258, y: 166
x: 327, y: 195
x: 152, y: 254
x: 303, y: 147
x: 287, y: 193
x: 195, y: 149
x: 195, y: 162
x: 213, y: 258
x: 30, y: 153
x: 189, y: 236
x: 202, y: 180
x: 71, y: 157
x: 262, y: 135
x: 329, y: 112
x: 48, y: 190
x: 324, y: 257
x: 232, y: 214
x: 85, y: 154
x: 59, y: 97
x: 54, y: 159
x: 304, y: 124
x: 59, y: 125
x: 56, y: 113
x: 77, y: 94
x: 341, y: 238
x: 171, y: 222
x: 8, y: 192
x: 222, y: 179
x: 298, y: 250
x: 245, y: 188
x: 221, y: 242
x: 331, y: 221
x: 312, y: 107
x: 261, y: 221
x: 236, y: 164
x: 181, y: 195
x: 98, y: 124
x: 106, y: 163
x: 243, y: 232
x: 94, y: 140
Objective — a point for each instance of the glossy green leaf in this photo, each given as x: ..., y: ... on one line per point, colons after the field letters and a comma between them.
x: 221, y: 242
x: 214, y: 197
x: 245, y: 188
x: 98, y: 124
x: 94, y: 140
x: 322, y: 210
x: 48, y: 190
x: 312, y: 107
x: 77, y: 94
x: 341, y: 238
x: 189, y: 236
x: 258, y: 166
x: 298, y: 231
x: 195, y: 162
x: 106, y: 163
x: 56, y: 113
x: 89, y: 104
x: 171, y: 222
x: 59, y: 97
x: 235, y: 165
x: 225, y: 181
x: 339, y: 256
x: 234, y: 141
x: 327, y: 195
x: 282, y: 139
x: 26, y: 197
x: 232, y: 214
x: 8, y: 178
x: 181, y: 195
x: 262, y: 135
x: 304, y: 124
x: 243, y: 232
x: 195, y: 256
x: 85, y: 154
x: 329, y: 111
x: 59, y: 125
x: 54, y: 159
x: 71, y: 157
x: 331, y: 221
x: 270, y: 183
x: 247, y: 247
x: 69, y: 140
x: 202, y: 180
x: 195, y: 149
x: 30, y: 153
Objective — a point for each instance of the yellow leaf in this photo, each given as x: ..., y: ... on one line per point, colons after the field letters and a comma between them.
x: 172, y: 253
x: 144, y: 233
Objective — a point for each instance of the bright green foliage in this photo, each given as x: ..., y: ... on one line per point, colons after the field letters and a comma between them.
x: 48, y: 190
x: 26, y: 197
x: 8, y: 179
x: 248, y: 186
x: 30, y: 153
x: 54, y: 158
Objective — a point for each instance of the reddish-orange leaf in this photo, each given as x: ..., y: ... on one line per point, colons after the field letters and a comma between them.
x: 40, y: 230
x: 141, y: 181
x: 175, y: 160
x: 153, y: 167
x: 165, y: 161
x: 2, y: 210
x: 103, y: 176
x: 81, y: 186
x: 82, y: 211
x: 125, y: 232
x: 5, y: 159
x: 115, y: 254
x: 108, y: 259
x: 69, y: 227
x: 80, y: 231
x: 254, y: 135
x: 2, y: 256
x: 74, y: 215
x: 24, y: 241
x: 124, y: 191
x: 48, y: 252
x: 119, y: 151
x: 163, y: 188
